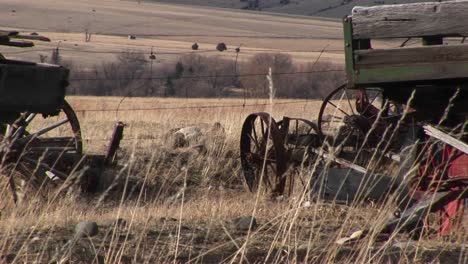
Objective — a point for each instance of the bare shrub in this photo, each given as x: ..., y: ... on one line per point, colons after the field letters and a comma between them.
x: 256, y: 85
x: 202, y: 76
x: 217, y: 76
x: 125, y: 76
x: 312, y: 80
x: 316, y: 80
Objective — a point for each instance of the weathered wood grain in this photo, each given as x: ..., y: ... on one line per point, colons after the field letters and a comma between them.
x: 403, y: 56
x: 435, y: 133
x: 412, y: 72
x: 411, y: 20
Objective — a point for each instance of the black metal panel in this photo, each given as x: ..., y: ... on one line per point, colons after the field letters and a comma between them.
x: 34, y: 87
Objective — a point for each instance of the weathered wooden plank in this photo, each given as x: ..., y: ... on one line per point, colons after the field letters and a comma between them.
x: 404, y: 56
x: 411, y: 20
x: 19, y: 44
x: 412, y: 72
x: 435, y: 133
x: 32, y: 37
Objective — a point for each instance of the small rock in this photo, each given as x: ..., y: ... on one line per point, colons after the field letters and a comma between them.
x: 131, y: 37
x: 244, y: 223
x: 34, y: 34
x: 352, y: 238
x: 86, y: 229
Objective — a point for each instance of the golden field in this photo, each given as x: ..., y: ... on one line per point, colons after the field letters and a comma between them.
x: 178, y: 205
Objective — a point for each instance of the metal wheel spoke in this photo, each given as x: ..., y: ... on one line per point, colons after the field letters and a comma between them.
x: 266, y: 176
x: 332, y: 104
x: 255, y: 141
x: 43, y: 131
x: 263, y: 128
x: 349, y: 103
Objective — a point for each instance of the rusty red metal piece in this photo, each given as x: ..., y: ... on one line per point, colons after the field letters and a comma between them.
x: 262, y: 153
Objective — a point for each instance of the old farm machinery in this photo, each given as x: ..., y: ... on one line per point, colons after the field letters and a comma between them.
x: 40, y: 136
x: 402, y: 111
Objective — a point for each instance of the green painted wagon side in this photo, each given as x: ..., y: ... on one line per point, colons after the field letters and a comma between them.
x: 435, y: 70
x: 448, y: 63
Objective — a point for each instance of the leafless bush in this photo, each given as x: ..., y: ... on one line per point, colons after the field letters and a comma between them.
x: 256, y: 85
x: 315, y: 80
x: 312, y: 80
x: 217, y: 76
x: 127, y: 76
x: 202, y: 76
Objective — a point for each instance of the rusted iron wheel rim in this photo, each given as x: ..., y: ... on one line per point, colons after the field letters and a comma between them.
x: 348, y: 126
x: 49, y: 151
x: 255, y: 146
x: 297, y: 141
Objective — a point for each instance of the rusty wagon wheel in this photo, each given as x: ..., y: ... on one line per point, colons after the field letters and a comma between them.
x: 349, y: 122
x: 263, y: 156
x: 300, y: 137
x: 44, y: 149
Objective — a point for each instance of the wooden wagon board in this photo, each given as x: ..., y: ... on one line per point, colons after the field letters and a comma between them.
x: 431, y: 22
x: 411, y: 20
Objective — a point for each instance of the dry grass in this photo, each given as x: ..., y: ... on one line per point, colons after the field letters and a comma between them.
x: 178, y: 113
x: 178, y: 205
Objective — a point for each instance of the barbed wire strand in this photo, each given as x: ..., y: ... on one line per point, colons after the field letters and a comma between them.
x: 187, y: 107
x: 204, y: 76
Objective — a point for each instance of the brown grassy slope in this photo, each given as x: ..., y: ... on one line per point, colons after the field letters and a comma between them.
x: 169, y: 28
x: 320, y: 8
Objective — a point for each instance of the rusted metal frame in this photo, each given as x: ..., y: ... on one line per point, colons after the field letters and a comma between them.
x: 114, y: 145
x: 280, y: 162
x: 315, y: 138
x: 414, y: 215
x: 339, y: 161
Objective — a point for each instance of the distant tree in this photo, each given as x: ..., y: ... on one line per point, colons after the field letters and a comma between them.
x: 169, y: 91
x: 179, y: 70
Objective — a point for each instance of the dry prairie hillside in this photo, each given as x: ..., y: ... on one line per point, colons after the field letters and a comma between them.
x: 168, y: 28
x: 320, y: 8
